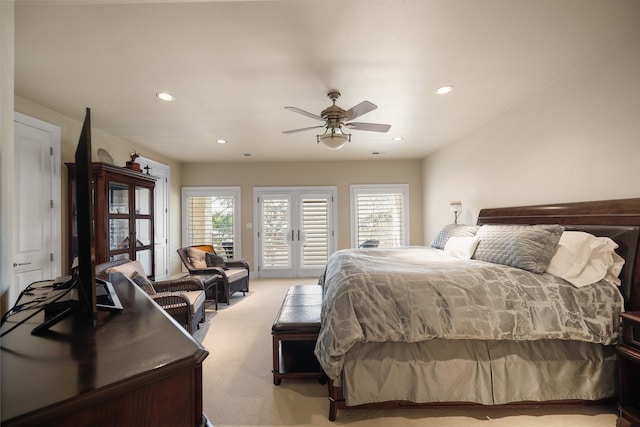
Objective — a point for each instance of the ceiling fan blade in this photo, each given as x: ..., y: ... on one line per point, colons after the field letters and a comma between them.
x: 374, y: 127
x: 356, y: 111
x: 302, y: 129
x: 305, y: 113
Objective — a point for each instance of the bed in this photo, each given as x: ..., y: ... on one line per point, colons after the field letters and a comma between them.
x: 428, y: 326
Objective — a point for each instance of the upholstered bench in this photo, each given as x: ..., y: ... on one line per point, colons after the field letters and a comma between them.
x: 295, y: 332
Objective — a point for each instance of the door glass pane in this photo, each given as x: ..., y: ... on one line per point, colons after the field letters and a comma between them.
x: 118, y: 198
x: 315, y: 225
x: 143, y: 232
x: 143, y: 201
x: 118, y: 234
x: 276, y: 232
x: 118, y: 257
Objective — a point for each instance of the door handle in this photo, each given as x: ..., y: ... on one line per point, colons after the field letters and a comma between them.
x: 22, y: 263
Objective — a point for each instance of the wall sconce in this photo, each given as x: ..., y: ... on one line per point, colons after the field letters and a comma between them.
x: 456, y: 208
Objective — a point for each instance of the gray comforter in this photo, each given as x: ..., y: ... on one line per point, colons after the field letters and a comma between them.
x: 416, y: 293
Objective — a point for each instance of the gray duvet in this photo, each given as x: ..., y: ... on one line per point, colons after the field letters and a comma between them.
x: 415, y: 294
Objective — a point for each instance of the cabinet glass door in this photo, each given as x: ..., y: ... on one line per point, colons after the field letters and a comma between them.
x: 118, y: 198
x: 143, y: 232
x: 119, y: 234
x: 143, y: 201
x: 143, y: 225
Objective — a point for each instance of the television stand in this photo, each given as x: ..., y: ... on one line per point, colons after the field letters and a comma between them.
x: 56, y: 312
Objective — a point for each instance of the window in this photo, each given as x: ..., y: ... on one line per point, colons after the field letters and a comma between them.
x: 211, y: 215
x: 380, y: 212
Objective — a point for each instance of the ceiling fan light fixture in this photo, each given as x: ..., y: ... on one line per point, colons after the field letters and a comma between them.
x: 443, y: 90
x: 334, y: 140
x: 335, y: 119
x: 165, y: 96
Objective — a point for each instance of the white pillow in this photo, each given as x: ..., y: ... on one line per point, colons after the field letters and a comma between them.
x: 582, y: 259
x: 461, y: 247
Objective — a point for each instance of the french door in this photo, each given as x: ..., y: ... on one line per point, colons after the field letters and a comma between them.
x: 294, y: 230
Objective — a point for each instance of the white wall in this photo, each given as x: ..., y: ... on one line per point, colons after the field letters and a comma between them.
x: 7, y: 52
x: 340, y: 174
x: 577, y: 140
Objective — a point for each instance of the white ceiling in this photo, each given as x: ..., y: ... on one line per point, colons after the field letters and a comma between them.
x: 234, y: 65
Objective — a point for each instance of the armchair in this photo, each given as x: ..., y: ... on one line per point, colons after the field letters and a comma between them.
x: 183, y: 299
x: 369, y: 244
x: 202, y: 259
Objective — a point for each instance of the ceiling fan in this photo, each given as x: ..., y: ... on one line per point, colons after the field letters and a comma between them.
x: 335, y: 118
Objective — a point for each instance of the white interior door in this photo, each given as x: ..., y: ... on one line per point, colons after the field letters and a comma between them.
x: 294, y: 230
x: 160, y: 215
x: 37, y: 208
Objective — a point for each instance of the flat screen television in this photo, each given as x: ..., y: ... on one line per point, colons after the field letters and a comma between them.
x: 86, y: 278
x: 90, y: 294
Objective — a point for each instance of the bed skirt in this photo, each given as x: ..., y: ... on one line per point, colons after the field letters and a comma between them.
x: 476, y: 371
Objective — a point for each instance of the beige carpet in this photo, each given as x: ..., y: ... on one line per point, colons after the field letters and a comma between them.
x: 238, y: 386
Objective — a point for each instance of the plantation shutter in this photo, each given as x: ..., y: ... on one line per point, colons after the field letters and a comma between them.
x: 210, y: 219
x: 381, y: 214
x: 315, y: 224
x: 276, y: 232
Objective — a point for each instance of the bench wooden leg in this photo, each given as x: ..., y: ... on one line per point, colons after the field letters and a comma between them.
x: 276, y: 360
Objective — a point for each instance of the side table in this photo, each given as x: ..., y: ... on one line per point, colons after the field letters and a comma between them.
x: 629, y: 370
x: 210, y: 282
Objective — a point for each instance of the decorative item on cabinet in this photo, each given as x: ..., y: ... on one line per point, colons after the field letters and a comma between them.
x: 132, y: 164
x: 123, y: 202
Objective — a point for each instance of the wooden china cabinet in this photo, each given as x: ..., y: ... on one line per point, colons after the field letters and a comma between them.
x: 123, y: 215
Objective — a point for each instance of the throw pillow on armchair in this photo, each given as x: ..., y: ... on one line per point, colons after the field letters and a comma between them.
x: 214, y: 260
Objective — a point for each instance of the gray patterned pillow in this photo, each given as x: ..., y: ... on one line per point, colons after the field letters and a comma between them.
x: 529, y: 247
x: 451, y: 230
x: 143, y: 282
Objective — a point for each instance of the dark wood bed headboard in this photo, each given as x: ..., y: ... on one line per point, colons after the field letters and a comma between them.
x: 617, y: 219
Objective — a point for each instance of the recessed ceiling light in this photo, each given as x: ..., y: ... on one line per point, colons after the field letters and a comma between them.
x: 221, y: 141
x: 397, y: 138
x: 443, y: 90
x: 165, y: 96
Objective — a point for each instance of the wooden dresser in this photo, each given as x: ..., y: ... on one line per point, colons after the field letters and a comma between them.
x: 133, y: 368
